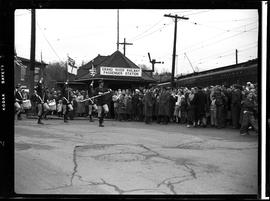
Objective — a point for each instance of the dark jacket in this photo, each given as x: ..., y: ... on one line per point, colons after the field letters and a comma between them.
x: 249, y: 105
x: 65, y: 95
x: 19, y: 97
x: 148, y: 104
x: 101, y: 100
x: 200, y: 101
x: 164, y: 104
x: 236, y: 97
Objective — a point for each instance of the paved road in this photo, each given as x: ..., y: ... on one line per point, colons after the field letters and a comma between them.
x: 132, y: 158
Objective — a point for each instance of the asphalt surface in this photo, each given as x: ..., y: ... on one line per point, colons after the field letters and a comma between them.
x: 132, y: 158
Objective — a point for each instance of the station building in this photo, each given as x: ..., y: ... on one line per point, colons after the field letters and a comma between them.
x: 117, y: 71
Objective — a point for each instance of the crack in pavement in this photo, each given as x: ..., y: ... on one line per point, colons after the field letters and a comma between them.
x: 149, y: 153
x: 170, y: 185
x: 197, y: 145
x: 116, y: 188
x: 192, y: 172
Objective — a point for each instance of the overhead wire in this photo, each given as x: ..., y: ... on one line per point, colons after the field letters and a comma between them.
x: 216, y: 41
x: 211, y: 38
x: 48, y: 42
x: 133, y: 38
x: 210, y: 56
x: 226, y: 55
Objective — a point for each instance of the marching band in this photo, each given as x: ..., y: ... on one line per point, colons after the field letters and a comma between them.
x: 95, y: 101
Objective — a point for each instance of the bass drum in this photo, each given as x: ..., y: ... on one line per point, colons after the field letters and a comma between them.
x: 46, y: 107
x: 70, y: 107
x: 52, y: 106
x: 26, y: 104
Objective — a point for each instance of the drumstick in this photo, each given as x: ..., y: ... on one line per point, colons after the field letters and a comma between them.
x: 39, y: 98
x: 66, y: 100
x: 96, y: 96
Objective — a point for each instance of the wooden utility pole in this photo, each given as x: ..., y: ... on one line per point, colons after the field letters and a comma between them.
x: 32, y: 51
x: 174, y: 43
x: 236, y: 56
x: 124, y: 43
x: 117, y: 29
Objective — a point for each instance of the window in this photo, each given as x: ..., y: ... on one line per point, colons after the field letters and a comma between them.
x: 37, y: 74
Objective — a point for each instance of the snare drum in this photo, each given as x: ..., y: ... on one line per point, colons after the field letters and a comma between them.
x: 26, y: 104
x: 52, y: 106
x: 46, y: 106
x: 70, y: 107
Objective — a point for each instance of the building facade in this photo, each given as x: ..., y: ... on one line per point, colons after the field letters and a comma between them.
x: 22, y: 71
x: 116, y: 70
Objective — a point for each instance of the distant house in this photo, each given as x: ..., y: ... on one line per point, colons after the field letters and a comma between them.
x: 22, y: 71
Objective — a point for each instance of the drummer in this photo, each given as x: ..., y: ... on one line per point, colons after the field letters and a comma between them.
x: 102, y: 106
x: 46, y: 108
x: 65, y: 101
x: 18, y: 101
x: 39, y: 99
x: 91, y: 105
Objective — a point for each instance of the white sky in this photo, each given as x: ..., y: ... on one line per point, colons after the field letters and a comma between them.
x: 209, y: 38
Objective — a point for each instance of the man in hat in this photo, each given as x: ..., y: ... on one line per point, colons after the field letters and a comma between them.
x: 18, y: 101
x: 102, y: 106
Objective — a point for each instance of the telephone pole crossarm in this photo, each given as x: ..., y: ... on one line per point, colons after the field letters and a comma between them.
x: 174, y: 43
x: 124, y: 43
x: 176, y: 16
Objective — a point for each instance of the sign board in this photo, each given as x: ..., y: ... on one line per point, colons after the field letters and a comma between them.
x: 118, y: 71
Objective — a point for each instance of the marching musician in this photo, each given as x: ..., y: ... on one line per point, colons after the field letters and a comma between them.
x: 18, y: 101
x: 102, y: 107
x: 39, y: 100
x: 65, y: 101
x: 91, y: 105
x: 46, y: 108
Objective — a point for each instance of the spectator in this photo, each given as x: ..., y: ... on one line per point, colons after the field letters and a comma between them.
x: 249, y: 106
x: 236, y: 105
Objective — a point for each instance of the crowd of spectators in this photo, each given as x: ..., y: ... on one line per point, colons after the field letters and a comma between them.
x: 214, y: 106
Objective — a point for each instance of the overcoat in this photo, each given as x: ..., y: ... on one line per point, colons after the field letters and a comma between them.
x: 148, y: 104
x: 164, y: 104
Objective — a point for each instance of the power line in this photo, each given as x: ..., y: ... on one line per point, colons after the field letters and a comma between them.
x: 211, y: 38
x: 156, y: 30
x: 214, y: 42
x: 198, y: 13
x: 232, y: 53
x: 147, y: 29
x: 48, y: 42
x: 227, y: 30
x: 203, y: 58
x: 231, y: 20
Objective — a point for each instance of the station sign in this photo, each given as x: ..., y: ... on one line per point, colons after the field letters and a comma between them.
x: 118, y: 71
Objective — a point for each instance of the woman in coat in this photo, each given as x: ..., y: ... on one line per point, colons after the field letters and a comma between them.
x: 148, y: 106
x: 80, y: 106
x: 164, y: 109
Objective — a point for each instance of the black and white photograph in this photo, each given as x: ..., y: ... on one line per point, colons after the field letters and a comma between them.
x: 136, y: 101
